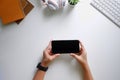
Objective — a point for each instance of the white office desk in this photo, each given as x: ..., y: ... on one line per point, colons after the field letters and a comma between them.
x: 21, y: 46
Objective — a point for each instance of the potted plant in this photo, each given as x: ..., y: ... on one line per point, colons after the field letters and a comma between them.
x: 73, y: 2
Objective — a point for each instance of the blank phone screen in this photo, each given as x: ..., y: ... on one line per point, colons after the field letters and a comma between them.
x: 65, y: 46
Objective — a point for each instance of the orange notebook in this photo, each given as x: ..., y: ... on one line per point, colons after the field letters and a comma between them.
x: 11, y: 10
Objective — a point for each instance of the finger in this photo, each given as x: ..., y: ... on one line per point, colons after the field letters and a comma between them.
x: 49, y: 46
x: 51, y: 53
x: 46, y: 53
x: 82, y: 47
x: 74, y: 55
x: 56, y: 55
x: 79, y: 46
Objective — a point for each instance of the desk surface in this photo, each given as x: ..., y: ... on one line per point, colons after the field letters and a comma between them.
x: 21, y: 46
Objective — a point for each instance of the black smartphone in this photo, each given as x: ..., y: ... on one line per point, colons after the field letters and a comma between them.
x: 65, y: 46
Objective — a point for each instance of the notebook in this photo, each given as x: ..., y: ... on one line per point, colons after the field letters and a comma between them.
x: 10, y: 11
x: 14, y: 10
x: 26, y: 7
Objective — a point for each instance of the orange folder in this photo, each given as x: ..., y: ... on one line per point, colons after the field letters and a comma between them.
x: 11, y: 10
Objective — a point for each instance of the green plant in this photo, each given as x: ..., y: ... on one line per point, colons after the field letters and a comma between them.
x: 73, y: 2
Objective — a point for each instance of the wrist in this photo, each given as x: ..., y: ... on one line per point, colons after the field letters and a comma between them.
x: 44, y: 64
x: 85, y: 66
x: 42, y: 68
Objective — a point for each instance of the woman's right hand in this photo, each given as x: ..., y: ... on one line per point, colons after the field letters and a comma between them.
x: 81, y: 57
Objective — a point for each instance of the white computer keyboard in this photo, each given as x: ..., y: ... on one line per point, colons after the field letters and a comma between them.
x: 110, y: 8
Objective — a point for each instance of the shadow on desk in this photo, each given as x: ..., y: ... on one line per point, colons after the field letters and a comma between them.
x: 51, y: 13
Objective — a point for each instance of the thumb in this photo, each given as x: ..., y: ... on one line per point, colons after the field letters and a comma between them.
x: 56, y: 55
x: 74, y: 55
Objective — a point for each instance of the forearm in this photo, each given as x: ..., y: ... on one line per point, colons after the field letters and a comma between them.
x: 87, y: 72
x: 39, y: 75
x: 43, y: 65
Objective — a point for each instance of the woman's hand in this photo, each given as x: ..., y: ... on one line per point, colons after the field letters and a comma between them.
x: 81, y: 57
x: 48, y: 56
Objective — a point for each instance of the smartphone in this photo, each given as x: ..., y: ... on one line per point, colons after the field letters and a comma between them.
x: 65, y: 46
